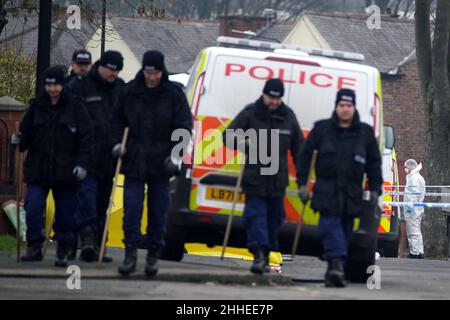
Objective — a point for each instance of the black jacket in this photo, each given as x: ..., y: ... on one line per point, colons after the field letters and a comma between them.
x: 71, y: 78
x: 257, y: 116
x: 58, y: 138
x: 344, y: 155
x: 100, y: 99
x: 152, y: 115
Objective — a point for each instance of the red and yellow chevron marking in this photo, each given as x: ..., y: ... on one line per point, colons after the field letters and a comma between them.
x: 205, y: 152
x: 207, y: 148
x: 385, y: 221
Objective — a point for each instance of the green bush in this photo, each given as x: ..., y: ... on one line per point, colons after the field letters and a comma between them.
x: 7, y: 243
x: 17, y: 75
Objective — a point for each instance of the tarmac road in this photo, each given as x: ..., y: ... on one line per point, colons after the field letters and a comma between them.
x: 208, y: 278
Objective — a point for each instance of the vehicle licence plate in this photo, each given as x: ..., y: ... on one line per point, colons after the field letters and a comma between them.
x: 226, y: 195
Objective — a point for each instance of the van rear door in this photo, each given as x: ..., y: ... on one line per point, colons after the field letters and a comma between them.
x: 231, y: 83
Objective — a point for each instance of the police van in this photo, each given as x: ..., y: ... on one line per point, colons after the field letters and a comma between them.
x: 231, y: 75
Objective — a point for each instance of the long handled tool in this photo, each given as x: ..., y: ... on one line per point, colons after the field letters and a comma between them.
x: 111, y: 199
x: 299, y: 223
x: 47, y: 235
x: 230, y: 217
x: 18, y: 198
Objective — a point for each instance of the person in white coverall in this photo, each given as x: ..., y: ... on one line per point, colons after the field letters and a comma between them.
x: 415, y: 184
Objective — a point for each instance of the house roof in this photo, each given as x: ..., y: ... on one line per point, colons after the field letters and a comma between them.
x: 179, y: 41
x: 278, y: 31
x: 383, y: 48
x: 23, y: 34
x: 65, y: 41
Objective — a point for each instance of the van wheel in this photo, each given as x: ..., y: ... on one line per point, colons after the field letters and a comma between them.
x: 174, y: 248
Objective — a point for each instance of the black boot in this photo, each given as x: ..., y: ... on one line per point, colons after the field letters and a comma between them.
x: 72, y: 251
x: 266, y: 256
x: 88, y: 252
x: 259, y: 265
x: 129, y: 263
x: 61, y: 255
x: 335, y: 274
x: 34, y: 253
x: 151, y: 266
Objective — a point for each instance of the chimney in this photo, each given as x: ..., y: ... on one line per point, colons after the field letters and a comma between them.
x: 240, y: 23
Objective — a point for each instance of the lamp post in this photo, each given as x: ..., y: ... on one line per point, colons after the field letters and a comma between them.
x: 103, y: 28
x: 44, y: 37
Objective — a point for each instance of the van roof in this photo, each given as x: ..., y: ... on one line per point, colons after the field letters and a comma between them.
x: 322, y: 61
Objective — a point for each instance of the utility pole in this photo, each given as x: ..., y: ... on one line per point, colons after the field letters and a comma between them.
x: 103, y: 27
x: 44, y: 38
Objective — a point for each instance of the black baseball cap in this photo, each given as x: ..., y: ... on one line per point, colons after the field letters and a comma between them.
x: 82, y: 56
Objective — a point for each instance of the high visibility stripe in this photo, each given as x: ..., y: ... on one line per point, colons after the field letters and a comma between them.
x: 232, y: 163
x: 385, y: 225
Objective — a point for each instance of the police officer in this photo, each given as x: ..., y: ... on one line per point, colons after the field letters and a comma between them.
x: 99, y: 90
x: 57, y: 134
x: 347, y: 149
x: 264, y: 209
x: 153, y: 108
x: 81, y: 64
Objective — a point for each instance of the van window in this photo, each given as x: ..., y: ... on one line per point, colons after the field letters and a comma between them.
x: 237, y: 81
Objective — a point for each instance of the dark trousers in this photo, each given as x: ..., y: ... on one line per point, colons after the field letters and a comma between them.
x: 335, y: 233
x: 158, y: 202
x: 65, y: 203
x: 87, y: 206
x: 263, y: 217
x: 104, y: 188
x: 94, y: 194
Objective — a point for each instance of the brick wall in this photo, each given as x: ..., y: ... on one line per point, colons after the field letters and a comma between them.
x: 405, y: 111
x: 10, y: 115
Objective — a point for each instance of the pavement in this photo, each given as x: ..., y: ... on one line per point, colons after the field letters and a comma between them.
x: 196, y: 269
x: 208, y: 278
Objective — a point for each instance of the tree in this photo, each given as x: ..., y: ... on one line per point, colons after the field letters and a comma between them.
x: 15, y: 71
x: 433, y: 64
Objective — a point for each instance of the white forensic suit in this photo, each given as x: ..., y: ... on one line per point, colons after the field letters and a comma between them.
x: 413, y: 215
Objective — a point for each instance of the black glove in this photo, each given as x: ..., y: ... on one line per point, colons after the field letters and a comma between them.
x: 117, y: 152
x: 304, y: 194
x: 172, y: 166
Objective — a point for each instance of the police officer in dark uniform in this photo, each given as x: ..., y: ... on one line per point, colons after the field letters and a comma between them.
x: 347, y: 149
x: 264, y: 209
x: 57, y: 133
x: 99, y: 90
x: 81, y: 64
x: 153, y: 108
